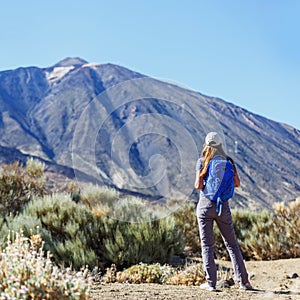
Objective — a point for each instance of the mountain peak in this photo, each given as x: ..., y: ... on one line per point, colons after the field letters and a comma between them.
x: 70, y: 61
x: 75, y: 103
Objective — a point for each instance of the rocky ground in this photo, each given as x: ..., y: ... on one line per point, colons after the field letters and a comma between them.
x: 278, y: 279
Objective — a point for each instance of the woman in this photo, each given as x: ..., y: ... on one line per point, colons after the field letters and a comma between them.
x: 207, y: 213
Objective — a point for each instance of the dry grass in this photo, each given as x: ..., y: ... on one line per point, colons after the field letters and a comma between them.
x: 192, y: 274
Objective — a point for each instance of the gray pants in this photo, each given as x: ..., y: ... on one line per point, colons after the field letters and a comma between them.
x: 206, y: 214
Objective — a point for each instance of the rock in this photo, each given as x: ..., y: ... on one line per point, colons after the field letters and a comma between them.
x: 226, y: 283
x: 177, y: 261
x: 294, y: 276
x: 230, y: 281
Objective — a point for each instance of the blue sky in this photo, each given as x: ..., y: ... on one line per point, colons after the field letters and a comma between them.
x: 245, y: 52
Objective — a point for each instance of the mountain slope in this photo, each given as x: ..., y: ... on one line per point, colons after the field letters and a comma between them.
x: 122, y: 128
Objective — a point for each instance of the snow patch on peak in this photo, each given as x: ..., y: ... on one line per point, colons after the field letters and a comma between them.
x: 91, y: 65
x: 57, y: 73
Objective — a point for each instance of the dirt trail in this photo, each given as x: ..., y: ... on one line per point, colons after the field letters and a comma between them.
x: 271, y: 280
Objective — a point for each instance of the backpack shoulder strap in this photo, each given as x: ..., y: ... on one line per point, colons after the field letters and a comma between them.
x: 236, y: 178
x: 230, y: 159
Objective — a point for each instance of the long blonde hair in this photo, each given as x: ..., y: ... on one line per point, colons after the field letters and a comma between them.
x: 207, y: 154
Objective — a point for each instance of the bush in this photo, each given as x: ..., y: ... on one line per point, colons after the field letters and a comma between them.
x: 141, y: 273
x: 265, y: 235
x: 130, y: 229
x: 26, y: 273
x: 126, y: 244
x: 286, y: 224
x: 191, y: 275
x: 261, y: 235
x: 67, y: 228
x: 141, y: 239
x: 155, y: 273
x: 186, y: 220
x: 1, y: 222
x: 254, y: 230
x: 29, y: 225
x: 135, y: 210
x: 95, y: 195
x: 250, y: 227
x: 18, y: 185
x: 287, y: 218
x: 75, y: 236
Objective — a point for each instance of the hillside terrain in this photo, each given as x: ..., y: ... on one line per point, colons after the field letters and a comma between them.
x: 106, y: 124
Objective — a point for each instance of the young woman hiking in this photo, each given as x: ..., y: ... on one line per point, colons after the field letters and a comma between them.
x: 212, y: 208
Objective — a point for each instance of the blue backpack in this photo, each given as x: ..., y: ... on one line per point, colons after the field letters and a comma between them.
x: 219, y: 186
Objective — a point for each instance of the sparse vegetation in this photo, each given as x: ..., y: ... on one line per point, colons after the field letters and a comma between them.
x: 102, y: 228
x: 262, y: 235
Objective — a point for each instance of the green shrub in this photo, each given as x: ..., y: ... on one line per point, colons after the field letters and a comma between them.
x: 27, y: 273
x: 265, y: 235
x: 254, y: 230
x: 130, y: 230
x: 29, y: 225
x: 1, y: 222
x: 75, y: 236
x: 67, y: 228
x: 77, y: 253
x: 95, y: 195
x: 143, y: 238
x: 186, y: 220
x: 126, y: 244
x: 136, y: 210
x: 18, y: 185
